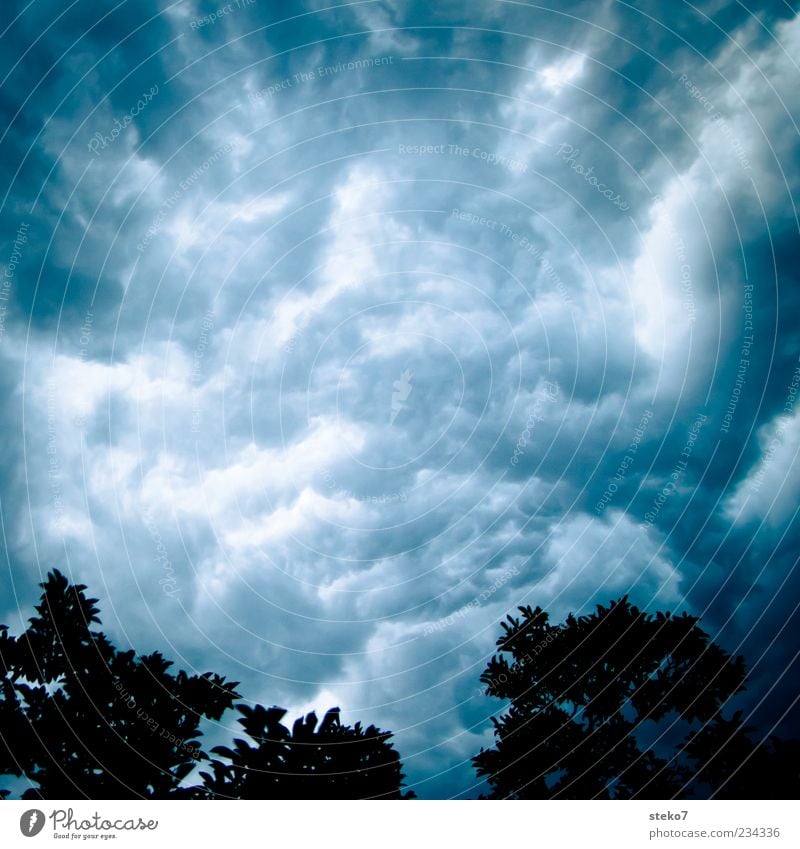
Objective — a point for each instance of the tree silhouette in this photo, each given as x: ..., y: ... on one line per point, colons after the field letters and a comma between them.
x: 97, y: 722
x: 329, y: 760
x: 79, y: 718
x: 587, y: 696
x: 726, y: 757
x: 13, y: 726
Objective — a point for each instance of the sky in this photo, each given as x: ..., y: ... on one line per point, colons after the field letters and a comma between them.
x: 332, y: 333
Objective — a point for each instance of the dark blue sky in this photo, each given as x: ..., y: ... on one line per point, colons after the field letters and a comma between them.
x: 329, y: 334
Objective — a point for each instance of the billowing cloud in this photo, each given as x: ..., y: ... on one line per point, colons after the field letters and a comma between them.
x: 327, y: 341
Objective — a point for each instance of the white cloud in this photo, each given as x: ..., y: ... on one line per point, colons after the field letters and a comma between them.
x: 771, y: 489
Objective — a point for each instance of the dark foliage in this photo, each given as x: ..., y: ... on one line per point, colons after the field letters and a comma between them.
x: 316, y: 760
x: 585, y: 695
x: 79, y: 718
x: 729, y: 757
x: 90, y: 721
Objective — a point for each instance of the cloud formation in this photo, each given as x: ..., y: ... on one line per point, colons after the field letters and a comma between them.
x: 319, y: 357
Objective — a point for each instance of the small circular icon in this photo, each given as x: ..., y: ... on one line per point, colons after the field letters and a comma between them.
x: 31, y: 822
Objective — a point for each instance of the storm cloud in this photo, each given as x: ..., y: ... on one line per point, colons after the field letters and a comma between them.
x: 331, y: 335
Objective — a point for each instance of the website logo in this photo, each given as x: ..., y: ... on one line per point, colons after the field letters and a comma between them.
x: 31, y: 822
x: 402, y: 389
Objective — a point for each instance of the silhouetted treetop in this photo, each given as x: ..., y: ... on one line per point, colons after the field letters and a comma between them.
x: 80, y: 718
x: 614, y: 657
x: 587, y: 694
x: 98, y: 722
x: 316, y: 759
